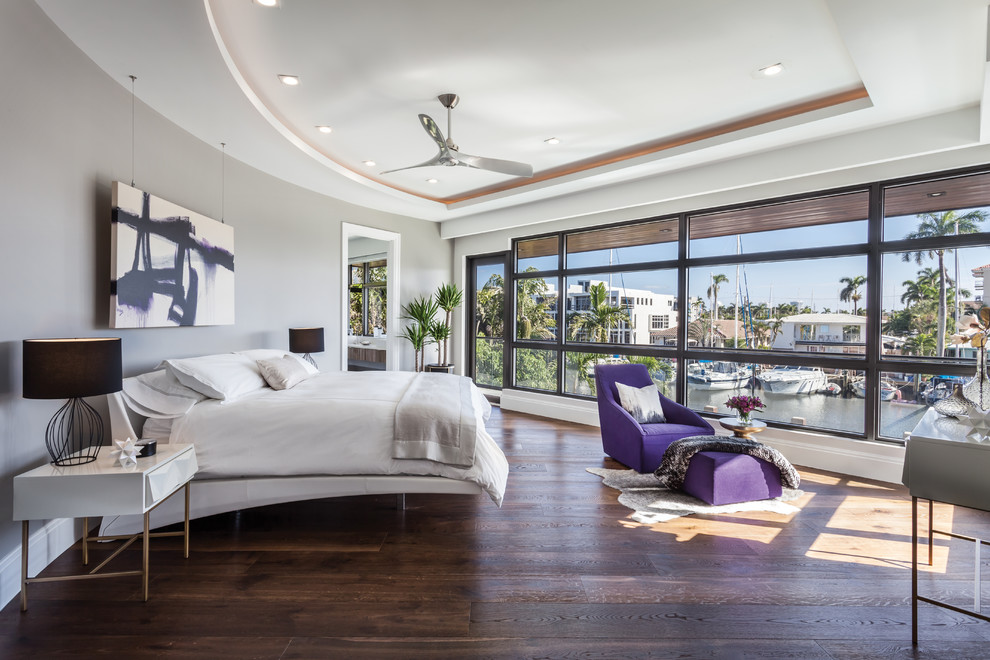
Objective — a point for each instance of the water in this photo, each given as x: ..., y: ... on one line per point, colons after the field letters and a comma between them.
x: 818, y: 410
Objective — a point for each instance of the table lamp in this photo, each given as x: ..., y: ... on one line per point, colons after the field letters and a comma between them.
x: 306, y: 340
x: 72, y: 369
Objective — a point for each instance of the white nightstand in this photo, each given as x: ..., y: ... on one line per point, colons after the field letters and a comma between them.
x: 103, y: 488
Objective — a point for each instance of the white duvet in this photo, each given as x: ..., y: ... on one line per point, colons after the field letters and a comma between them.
x: 334, y: 423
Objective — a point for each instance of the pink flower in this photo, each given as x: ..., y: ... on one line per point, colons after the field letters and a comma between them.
x: 745, y: 404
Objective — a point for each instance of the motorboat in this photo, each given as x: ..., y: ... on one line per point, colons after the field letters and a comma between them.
x: 888, y: 391
x: 718, y: 376
x: 793, y: 380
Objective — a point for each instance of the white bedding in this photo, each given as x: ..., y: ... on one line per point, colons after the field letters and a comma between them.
x: 337, y: 423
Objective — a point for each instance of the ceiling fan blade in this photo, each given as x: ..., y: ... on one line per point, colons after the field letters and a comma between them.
x: 434, y: 131
x: 430, y: 163
x: 493, y: 164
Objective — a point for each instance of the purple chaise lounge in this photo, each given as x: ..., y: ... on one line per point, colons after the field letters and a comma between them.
x: 715, y: 477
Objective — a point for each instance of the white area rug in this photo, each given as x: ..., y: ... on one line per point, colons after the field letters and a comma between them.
x: 653, y: 504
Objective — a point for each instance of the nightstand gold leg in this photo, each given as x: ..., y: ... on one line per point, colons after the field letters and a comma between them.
x: 24, y: 566
x: 145, y: 551
x: 186, y: 535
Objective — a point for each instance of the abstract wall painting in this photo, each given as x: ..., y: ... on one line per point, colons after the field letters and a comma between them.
x: 170, y: 266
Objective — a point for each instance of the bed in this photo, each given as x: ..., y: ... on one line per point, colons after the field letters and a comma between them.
x: 267, y: 435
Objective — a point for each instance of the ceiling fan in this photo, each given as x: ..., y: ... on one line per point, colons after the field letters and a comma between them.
x: 450, y: 156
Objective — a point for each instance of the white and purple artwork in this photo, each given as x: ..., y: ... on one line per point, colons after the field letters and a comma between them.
x: 170, y: 266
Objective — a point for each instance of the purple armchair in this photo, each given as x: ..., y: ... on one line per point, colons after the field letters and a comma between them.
x: 640, y: 446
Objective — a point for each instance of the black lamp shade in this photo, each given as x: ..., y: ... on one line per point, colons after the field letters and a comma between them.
x: 306, y: 340
x: 71, y: 368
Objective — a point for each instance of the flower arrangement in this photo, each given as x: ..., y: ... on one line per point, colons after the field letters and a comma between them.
x: 744, y: 406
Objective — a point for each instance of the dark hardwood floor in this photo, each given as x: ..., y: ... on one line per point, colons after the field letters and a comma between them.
x: 560, y: 571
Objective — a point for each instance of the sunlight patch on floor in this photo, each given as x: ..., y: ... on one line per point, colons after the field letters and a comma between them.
x: 871, y: 551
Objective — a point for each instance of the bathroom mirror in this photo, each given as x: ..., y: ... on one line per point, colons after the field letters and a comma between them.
x: 370, y: 301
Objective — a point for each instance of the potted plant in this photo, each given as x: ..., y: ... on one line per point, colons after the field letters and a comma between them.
x: 427, y: 329
x: 421, y: 311
x: 448, y: 297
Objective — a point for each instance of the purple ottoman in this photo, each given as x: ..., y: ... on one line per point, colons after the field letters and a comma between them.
x: 719, y: 477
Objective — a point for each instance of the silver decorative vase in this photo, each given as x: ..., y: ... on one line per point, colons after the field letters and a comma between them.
x: 954, y: 405
x: 977, y: 390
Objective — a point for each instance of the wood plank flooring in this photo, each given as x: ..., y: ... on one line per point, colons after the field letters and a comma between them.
x: 560, y: 571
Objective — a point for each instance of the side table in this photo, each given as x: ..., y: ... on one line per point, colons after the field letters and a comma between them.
x: 742, y: 429
x: 103, y: 488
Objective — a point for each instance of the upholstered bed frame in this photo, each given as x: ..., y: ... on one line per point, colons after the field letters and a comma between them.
x: 212, y: 496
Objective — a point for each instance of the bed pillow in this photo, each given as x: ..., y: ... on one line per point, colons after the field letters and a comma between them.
x: 643, y: 403
x: 275, y: 353
x: 227, y: 376
x: 159, y: 394
x: 283, y: 373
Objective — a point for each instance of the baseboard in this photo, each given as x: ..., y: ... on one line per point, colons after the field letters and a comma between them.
x: 548, y: 405
x: 869, y: 460
x: 44, y: 545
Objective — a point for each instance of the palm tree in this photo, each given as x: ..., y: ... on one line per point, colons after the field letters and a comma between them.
x: 599, y: 318
x: 932, y: 225
x: 851, y: 291
x: 718, y: 279
x: 921, y: 344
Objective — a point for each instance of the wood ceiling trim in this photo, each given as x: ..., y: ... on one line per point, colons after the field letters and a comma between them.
x: 664, y: 144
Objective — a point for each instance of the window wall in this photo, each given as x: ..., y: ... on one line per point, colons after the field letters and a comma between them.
x: 846, y: 311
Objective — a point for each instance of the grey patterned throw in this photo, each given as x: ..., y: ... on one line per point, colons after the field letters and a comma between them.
x: 674, y: 464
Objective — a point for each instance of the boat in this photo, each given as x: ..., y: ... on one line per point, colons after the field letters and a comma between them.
x: 888, y: 391
x: 793, y: 380
x: 718, y: 376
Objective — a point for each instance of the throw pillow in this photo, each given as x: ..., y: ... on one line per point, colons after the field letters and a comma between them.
x: 283, y: 373
x: 643, y: 403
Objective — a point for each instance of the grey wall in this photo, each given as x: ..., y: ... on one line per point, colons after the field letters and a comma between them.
x: 65, y: 135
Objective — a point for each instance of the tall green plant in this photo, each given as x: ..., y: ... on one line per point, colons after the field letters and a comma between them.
x: 448, y: 297
x: 421, y: 311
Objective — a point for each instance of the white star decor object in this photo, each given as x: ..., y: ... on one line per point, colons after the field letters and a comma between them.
x: 126, y: 452
x: 977, y: 425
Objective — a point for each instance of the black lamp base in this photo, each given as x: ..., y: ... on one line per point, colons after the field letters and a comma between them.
x: 75, y: 434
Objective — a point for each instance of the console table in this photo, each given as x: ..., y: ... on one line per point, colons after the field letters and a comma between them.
x: 942, y: 465
x: 102, y: 488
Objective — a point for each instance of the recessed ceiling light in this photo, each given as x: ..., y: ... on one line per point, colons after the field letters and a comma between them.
x: 552, y: 140
x: 370, y: 163
x: 267, y: 3
x: 771, y: 70
x: 324, y: 129
x: 288, y: 80
x: 432, y: 181
x: 936, y: 194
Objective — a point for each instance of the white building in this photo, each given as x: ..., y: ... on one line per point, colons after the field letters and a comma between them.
x: 648, y: 312
x: 822, y: 333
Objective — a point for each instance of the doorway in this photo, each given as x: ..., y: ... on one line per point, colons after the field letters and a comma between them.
x: 487, y: 320
x: 369, y: 307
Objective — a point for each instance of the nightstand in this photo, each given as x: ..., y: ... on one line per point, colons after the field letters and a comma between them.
x: 103, y: 488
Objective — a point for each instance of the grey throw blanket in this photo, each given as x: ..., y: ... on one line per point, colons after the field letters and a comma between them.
x: 436, y: 420
x: 674, y: 464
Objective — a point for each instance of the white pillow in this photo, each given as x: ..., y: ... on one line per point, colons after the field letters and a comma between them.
x: 643, y: 403
x: 275, y: 353
x: 283, y: 373
x: 226, y: 376
x: 159, y: 394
